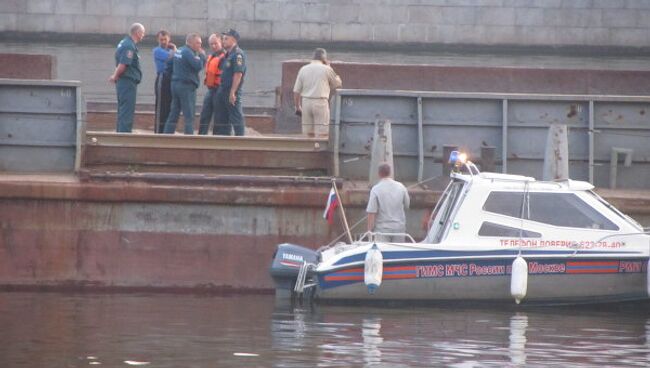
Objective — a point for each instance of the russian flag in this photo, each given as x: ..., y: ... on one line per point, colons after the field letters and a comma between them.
x: 332, y: 203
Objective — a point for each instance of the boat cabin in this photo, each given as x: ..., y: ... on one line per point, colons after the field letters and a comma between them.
x: 503, y: 210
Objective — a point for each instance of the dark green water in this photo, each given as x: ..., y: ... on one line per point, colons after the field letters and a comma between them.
x: 80, y: 330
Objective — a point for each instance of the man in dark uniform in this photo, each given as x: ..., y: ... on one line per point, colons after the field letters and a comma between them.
x: 186, y: 65
x: 127, y: 76
x: 229, y: 109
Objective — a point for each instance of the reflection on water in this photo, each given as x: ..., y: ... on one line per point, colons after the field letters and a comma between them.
x: 62, y: 330
x: 372, y: 340
x: 517, y: 347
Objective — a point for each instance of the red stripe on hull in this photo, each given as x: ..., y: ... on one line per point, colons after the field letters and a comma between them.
x: 343, y: 278
x: 397, y: 277
x: 606, y: 263
x: 399, y: 268
x: 593, y: 271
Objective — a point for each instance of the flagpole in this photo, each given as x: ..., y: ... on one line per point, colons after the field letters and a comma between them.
x: 345, y: 219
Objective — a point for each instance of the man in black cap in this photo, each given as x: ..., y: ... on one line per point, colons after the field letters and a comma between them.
x: 230, y: 115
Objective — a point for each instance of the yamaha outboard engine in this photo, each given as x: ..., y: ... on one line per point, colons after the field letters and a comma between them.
x: 286, y: 265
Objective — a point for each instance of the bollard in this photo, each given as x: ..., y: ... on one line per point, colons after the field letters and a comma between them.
x: 556, y: 157
x: 487, y: 158
x: 382, y: 149
x: 613, y: 163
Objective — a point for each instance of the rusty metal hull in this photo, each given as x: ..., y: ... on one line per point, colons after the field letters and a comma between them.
x: 27, y: 66
x: 175, y: 232
x: 215, y: 236
x: 145, y: 245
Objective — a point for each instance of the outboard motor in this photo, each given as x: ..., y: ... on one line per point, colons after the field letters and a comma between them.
x: 286, y: 265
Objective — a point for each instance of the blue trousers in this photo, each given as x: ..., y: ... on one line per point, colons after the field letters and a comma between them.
x: 228, y: 116
x: 126, y: 91
x: 208, y: 112
x: 163, y: 93
x: 183, y: 99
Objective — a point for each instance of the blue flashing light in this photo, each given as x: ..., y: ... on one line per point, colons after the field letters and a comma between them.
x: 453, y: 157
x: 457, y: 158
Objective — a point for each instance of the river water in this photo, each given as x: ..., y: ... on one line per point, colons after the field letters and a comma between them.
x: 93, y: 63
x: 162, y: 330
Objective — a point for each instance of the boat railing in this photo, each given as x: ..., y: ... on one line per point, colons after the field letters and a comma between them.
x: 472, y: 168
x: 300, y: 286
x: 644, y: 232
x: 371, y: 236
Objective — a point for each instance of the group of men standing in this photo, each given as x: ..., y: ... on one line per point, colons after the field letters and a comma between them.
x: 177, y: 79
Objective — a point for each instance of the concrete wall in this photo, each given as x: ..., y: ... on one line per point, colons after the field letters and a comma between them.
x: 599, y: 23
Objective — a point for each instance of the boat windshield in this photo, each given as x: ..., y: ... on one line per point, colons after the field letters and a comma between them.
x: 440, y: 217
x: 620, y: 214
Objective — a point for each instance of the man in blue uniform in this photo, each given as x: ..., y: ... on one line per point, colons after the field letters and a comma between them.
x: 163, y: 87
x: 229, y: 109
x: 186, y: 65
x: 127, y: 76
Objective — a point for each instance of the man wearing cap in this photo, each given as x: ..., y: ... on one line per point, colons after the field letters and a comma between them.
x: 230, y: 115
x: 311, y: 94
x: 186, y: 65
x: 127, y: 76
x: 212, y: 81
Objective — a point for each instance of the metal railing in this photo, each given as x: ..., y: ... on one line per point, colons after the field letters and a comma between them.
x: 517, y: 124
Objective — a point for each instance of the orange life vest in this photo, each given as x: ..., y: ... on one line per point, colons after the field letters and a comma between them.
x: 212, y: 71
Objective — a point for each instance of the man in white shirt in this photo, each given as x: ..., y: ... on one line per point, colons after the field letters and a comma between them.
x: 386, y: 207
x: 311, y: 94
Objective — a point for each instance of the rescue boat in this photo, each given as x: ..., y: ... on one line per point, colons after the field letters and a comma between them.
x: 492, y: 238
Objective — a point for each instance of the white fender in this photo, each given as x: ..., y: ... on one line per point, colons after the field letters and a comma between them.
x: 373, y: 269
x: 519, y: 279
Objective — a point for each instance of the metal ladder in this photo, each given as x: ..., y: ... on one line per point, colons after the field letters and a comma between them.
x: 302, y: 277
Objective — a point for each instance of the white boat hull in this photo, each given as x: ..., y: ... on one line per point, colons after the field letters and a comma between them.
x: 553, y: 281
x: 571, y: 246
